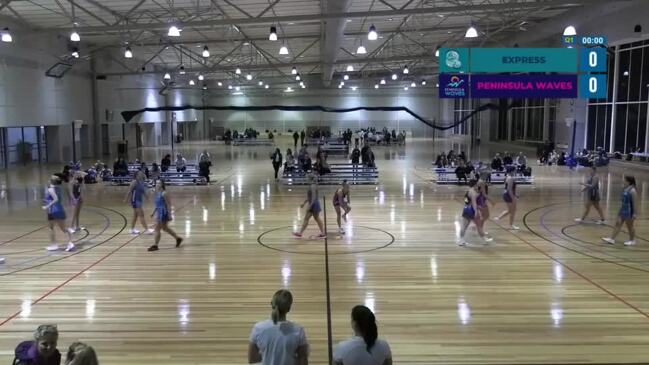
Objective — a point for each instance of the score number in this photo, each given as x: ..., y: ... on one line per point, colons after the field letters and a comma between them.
x: 592, y: 60
x: 592, y: 86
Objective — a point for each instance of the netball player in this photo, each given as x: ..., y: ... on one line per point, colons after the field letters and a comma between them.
x: 471, y: 213
x: 136, y: 194
x: 628, y: 212
x: 313, y: 201
x: 482, y: 201
x: 56, y: 213
x: 592, y: 196
x: 341, y: 203
x: 76, y: 201
x: 510, y: 198
x: 162, y: 213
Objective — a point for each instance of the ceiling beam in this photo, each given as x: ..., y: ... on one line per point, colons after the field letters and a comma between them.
x: 270, y: 6
x: 4, y: 3
x: 483, y: 7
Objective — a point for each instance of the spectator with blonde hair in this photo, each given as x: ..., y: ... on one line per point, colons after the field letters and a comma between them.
x: 80, y: 353
x: 41, y: 351
x: 277, y: 341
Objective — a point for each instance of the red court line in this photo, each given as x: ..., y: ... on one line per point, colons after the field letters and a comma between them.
x: 589, y: 280
x: 53, y: 290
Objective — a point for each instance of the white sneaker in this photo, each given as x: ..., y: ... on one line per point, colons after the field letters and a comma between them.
x: 71, y: 230
x: 70, y: 247
x: 578, y: 220
x: 496, y: 218
x: 514, y: 228
x: 148, y: 231
x: 629, y: 243
x: 461, y: 242
x: 135, y: 231
x: 600, y: 222
x: 608, y: 240
x: 488, y: 239
x: 53, y: 247
x: 2, y: 260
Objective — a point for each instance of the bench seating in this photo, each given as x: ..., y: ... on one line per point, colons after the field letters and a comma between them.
x: 446, y: 176
x: 335, y: 149
x: 322, y: 141
x: 641, y: 156
x: 354, y: 174
x: 189, y: 177
x: 252, y: 142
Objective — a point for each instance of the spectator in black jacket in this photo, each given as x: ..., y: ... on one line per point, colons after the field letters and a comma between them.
x: 497, y: 163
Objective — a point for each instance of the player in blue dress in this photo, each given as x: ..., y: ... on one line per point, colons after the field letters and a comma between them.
x: 628, y: 212
x: 472, y: 213
x: 592, y: 198
x: 162, y: 214
x: 313, y: 201
x: 510, y: 198
x: 55, y: 213
x: 136, y: 195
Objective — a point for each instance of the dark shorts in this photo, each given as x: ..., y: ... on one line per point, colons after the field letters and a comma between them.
x: 507, y: 198
x: 625, y: 214
x: 315, y: 207
x: 468, y: 212
x: 136, y: 204
x: 163, y: 217
x: 56, y: 216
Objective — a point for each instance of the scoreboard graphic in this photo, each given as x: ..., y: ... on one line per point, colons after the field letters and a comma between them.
x: 525, y: 72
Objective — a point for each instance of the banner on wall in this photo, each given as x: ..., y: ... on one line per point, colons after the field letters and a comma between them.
x: 453, y: 86
x: 524, y: 86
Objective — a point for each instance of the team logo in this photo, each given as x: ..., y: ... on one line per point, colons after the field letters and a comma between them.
x: 455, y: 82
x: 453, y: 85
x: 453, y: 59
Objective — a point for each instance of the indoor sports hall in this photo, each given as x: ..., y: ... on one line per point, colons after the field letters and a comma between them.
x: 351, y: 182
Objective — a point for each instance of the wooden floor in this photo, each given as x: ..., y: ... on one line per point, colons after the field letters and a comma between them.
x: 551, y: 293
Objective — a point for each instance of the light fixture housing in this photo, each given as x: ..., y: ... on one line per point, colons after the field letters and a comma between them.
x: 342, y: 83
x: 272, y: 36
x: 350, y: 68
x: 191, y: 82
x: 405, y: 88
x: 260, y: 83
x: 376, y: 86
x: 423, y: 82
x: 382, y: 81
x: 354, y: 88
x: 437, y: 51
x: 248, y: 77
x: 294, y: 71
x: 74, y: 37
x: 266, y: 86
x: 6, y: 36
x: 340, y: 86
x: 206, y: 52
x: 182, y: 70
x: 237, y: 88
x: 361, y: 50
x: 204, y: 87
x: 173, y: 31
x: 412, y: 84
x: 201, y: 77
x: 471, y: 32
x: 219, y: 83
x: 372, y: 35
x: 405, y: 70
x: 237, y: 71
x: 167, y: 76
x: 570, y: 30
x: 283, y: 50
x: 394, y: 76
x: 298, y: 77
x: 288, y: 90
x: 128, y: 53
x: 75, y: 54
x: 229, y: 87
x: 345, y: 77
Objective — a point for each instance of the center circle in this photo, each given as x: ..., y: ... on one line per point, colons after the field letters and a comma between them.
x: 357, y: 239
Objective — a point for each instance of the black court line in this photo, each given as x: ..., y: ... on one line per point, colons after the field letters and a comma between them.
x: 598, y: 243
x: 326, y: 241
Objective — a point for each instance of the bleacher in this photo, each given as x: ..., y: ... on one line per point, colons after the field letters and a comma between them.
x: 354, y: 174
x: 189, y: 177
x: 252, y: 142
x: 447, y: 176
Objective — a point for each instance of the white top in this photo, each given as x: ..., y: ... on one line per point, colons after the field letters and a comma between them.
x: 354, y: 352
x: 278, y: 343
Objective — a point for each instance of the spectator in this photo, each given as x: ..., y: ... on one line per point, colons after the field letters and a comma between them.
x: 155, y: 172
x: 165, y: 163
x: 355, y: 155
x: 276, y: 157
x: 181, y: 163
x: 521, y: 161
x: 41, y: 351
x: 302, y: 136
x: 507, y: 159
x: 497, y: 163
x: 365, y: 348
x: 144, y: 169
x: 204, y: 164
x: 439, y: 162
x: 462, y: 156
x: 277, y: 341
x: 296, y: 136
x: 461, y: 172
x: 289, y: 165
x: 80, y: 353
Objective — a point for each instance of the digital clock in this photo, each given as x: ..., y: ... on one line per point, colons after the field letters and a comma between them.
x: 590, y: 40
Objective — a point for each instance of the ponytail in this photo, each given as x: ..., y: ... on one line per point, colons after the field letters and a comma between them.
x: 281, y: 304
x: 365, y: 324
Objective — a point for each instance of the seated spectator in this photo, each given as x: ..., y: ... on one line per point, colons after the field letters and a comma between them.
x: 521, y: 161
x: 155, y: 172
x: 144, y: 169
x: 497, y: 163
x: 451, y: 156
x: 438, y: 162
x: 165, y: 163
x: 507, y: 159
x: 80, y: 353
x: 181, y: 163
x: 561, y: 160
x: 306, y: 163
x: 461, y: 172
x: 462, y: 156
x: 41, y: 351
x: 368, y: 157
x: 277, y: 341
x: 365, y: 348
x: 355, y: 156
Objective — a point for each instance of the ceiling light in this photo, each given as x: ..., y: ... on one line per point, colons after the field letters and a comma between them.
x: 394, y: 76
x: 350, y: 68
x: 266, y: 86
x: 376, y: 86
x: 273, y: 34
x: 570, y: 30
x: 167, y: 76
x: 260, y: 83
x: 372, y: 35
x: 219, y: 83
x: 293, y: 71
x: 471, y: 32
x: 237, y: 71
x: 297, y: 77
x: 361, y: 50
x: 127, y: 54
x: 237, y: 88
x: 437, y: 51
x: 405, y: 88
x: 229, y: 87
x: 423, y: 82
x: 173, y: 31
x: 182, y: 70
x: 345, y: 77
x: 283, y: 50
x: 405, y: 70
x: 204, y: 87
x: 74, y: 37
x: 354, y: 88
x: 436, y: 85
x: 6, y: 36
x: 626, y: 73
x: 412, y: 84
x: 191, y: 82
x: 201, y: 77
x: 75, y: 53
x: 206, y: 52
x: 342, y: 83
x: 382, y: 81
x: 303, y: 86
x: 340, y: 86
x: 288, y: 90
x: 248, y: 77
